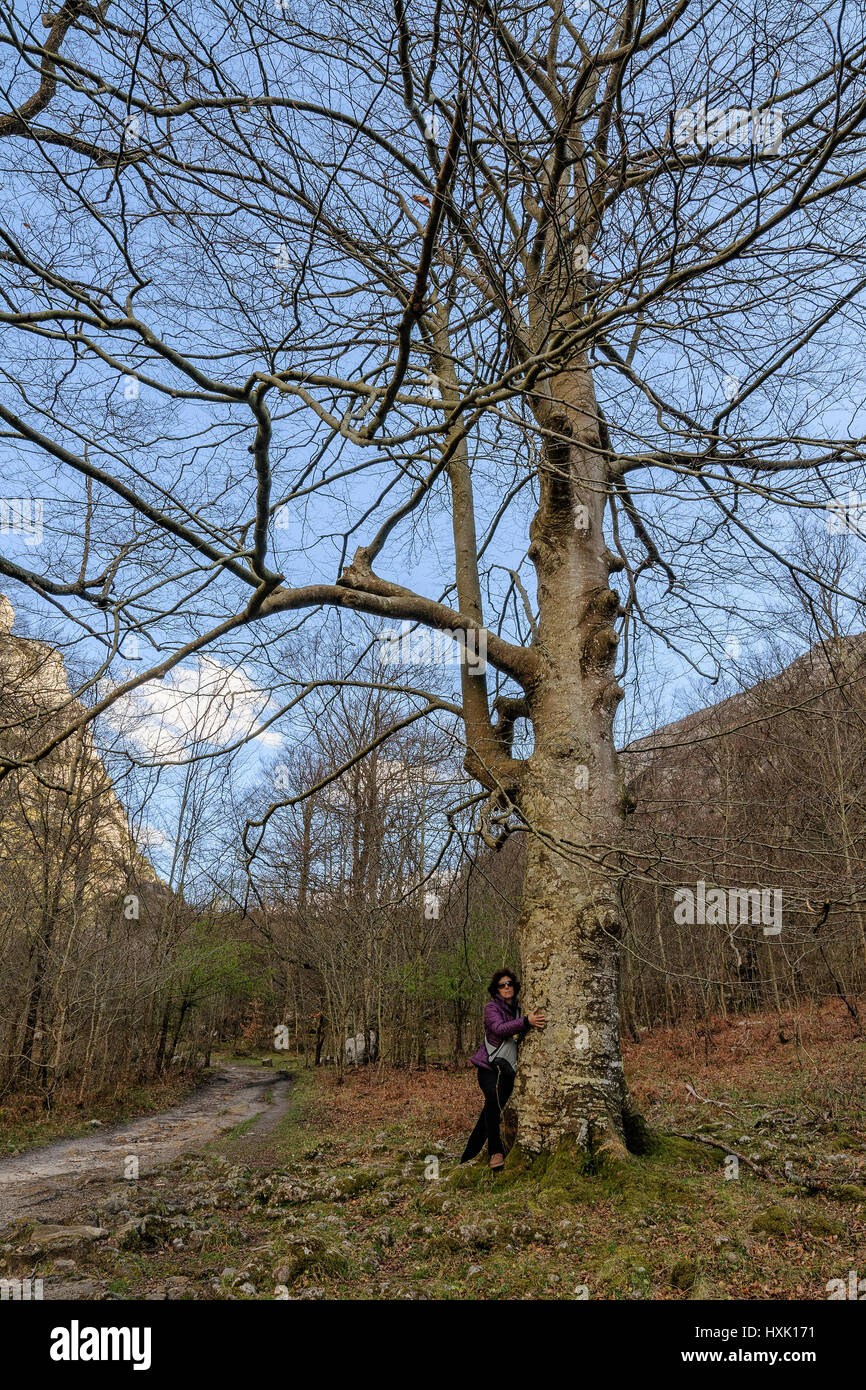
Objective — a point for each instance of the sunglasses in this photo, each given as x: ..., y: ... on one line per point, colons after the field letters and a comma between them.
x: 506, y: 984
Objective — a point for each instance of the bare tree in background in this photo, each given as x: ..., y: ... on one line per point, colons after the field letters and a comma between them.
x: 351, y: 883
x: 509, y: 298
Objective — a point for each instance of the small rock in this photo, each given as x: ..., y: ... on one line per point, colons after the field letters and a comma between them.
x: 149, y: 1231
x: 247, y: 1288
x: 473, y: 1269
x: 76, y: 1289
x: 115, y: 1203
x: 64, y: 1265
x: 56, y: 1237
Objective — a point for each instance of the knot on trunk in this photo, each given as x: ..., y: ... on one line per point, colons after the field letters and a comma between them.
x: 610, y: 696
x: 604, y: 604
x: 600, y: 641
x: 562, y: 747
x: 598, y: 649
x: 600, y: 919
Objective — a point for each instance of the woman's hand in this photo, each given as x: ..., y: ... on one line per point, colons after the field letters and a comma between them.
x: 537, y: 1018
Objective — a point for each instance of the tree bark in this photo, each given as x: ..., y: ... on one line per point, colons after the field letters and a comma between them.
x: 571, y: 1085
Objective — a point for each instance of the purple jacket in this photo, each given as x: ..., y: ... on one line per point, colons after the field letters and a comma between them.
x: 499, y: 1023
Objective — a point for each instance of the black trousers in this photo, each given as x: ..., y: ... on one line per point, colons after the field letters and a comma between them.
x: 497, y: 1086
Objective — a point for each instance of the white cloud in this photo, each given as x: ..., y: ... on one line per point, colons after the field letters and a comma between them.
x: 150, y: 837
x: 210, y: 703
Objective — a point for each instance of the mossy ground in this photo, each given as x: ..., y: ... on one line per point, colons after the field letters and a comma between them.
x: 357, y: 1193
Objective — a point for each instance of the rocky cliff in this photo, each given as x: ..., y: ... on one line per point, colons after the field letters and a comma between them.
x: 35, y: 705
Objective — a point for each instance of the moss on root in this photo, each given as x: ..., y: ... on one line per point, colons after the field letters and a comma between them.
x: 583, y: 1176
x: 616, y: 1141
x: 664, y: 1173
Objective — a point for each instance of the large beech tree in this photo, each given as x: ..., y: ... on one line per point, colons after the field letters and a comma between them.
x: 566, y: 295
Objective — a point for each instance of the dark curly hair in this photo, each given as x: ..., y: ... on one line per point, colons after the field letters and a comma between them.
x: 493, y: 987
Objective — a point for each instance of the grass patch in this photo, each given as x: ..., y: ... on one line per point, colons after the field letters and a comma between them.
x: 243, y: 1128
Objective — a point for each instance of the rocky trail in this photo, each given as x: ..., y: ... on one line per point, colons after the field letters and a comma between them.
x: 48, y: 1182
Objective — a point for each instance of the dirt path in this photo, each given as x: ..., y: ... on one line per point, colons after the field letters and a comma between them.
x: 48, y: 1181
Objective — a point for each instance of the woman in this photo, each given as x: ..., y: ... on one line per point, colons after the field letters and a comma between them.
x: 496, y: 1060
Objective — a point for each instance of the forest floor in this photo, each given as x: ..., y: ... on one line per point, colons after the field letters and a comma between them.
x: 356, y: 1192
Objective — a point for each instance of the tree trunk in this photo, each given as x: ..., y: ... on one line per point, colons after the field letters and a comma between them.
x: 570, y: 1082
x: 184, y: 1010
x: 159, y: 1061
x: 459, y: 1014
x: 571, y: 1086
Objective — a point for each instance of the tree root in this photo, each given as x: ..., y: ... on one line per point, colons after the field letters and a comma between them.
x: 718, y: 1144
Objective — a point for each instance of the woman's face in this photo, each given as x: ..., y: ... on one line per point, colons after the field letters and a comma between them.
x: 505, y: 989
